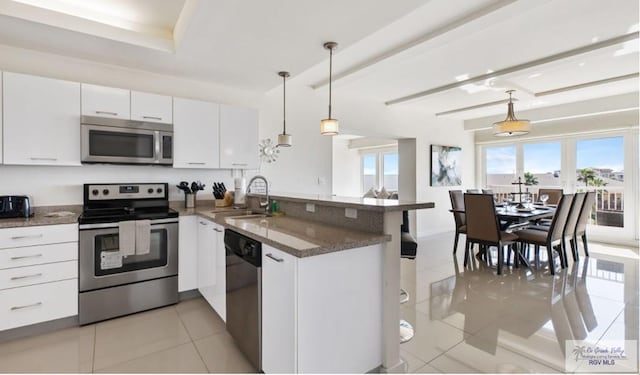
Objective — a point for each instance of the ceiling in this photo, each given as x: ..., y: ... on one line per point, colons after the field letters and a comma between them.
x: 453, y: 58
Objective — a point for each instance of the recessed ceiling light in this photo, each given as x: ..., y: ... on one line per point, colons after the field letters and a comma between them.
x: 582, y: 64
x: 595, y: 39
x: 535, y: 75
x: 462, y: 77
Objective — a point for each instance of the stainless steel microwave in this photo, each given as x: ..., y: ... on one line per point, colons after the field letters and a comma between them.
x: 118, y: 141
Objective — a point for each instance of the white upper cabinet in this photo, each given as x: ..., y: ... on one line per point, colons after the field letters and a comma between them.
x: 104, y: 101
x: 151, y: 107
x: 195, y: 134
x: 238, y: 138
x: 41, y: 120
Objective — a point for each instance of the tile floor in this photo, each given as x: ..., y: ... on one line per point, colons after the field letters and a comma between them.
x: 469, y: 321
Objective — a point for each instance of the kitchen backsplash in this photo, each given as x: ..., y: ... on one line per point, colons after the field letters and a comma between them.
x: 49, y: 185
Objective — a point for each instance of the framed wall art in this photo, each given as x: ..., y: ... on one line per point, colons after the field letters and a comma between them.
x: 446, y: 165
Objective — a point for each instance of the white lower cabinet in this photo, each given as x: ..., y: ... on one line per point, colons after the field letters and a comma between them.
x: 38, y: 277
x: 187, y: 253
x: 278, y: 311
x: 201, y: 261
x: 206, y: 259
x: 219, y: 294
x: 322, y: 314
x: 38, y: 303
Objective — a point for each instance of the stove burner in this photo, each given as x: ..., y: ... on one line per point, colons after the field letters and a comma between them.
x: 131, y: 202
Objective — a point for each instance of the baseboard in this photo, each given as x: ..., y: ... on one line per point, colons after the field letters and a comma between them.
x: 39, y: 328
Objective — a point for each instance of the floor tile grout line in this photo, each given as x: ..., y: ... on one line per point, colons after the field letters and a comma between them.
x: 154, y: 351
x: 193, y: 341
x: 95, y: 341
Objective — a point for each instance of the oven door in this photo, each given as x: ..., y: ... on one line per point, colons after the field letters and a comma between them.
x: 106, y: 144
x: 101, y: 264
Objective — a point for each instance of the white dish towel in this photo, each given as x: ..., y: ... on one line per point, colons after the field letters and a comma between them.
x: 127, y: 237
x: 143, y: 237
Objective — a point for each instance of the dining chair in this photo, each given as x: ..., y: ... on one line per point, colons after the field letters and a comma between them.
x: 487, y: 191
x: 483, y: 228
x: 457, y: 205
x: 553, y: 236
x: 581, y: 225
x: 554, y: 195
x: 474, y: 191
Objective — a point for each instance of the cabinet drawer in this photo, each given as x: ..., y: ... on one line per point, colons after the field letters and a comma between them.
x: 42, y: 273
x: 38, y: 303
x: 40, y: 235
x: 32, y: 255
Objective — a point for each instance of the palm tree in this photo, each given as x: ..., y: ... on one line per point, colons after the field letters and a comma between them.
x: 598, y: 182
x: 587, y: 175
x: 530, y: 179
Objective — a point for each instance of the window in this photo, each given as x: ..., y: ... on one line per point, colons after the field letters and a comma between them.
x: 501, y: 166
x: 600, y: 168
x: 369, y: 172
x: 542, y: 164
x: 390, y: 170
x: 380, y: 170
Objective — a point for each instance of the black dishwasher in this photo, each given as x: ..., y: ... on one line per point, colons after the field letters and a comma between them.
x: 244, y: 294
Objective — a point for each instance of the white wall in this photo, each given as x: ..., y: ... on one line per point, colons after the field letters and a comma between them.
x: 300, y: 166
x: 346, y: 178
x: 63, y: 185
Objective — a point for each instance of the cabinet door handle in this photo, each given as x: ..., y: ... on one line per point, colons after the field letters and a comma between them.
x: 25, y: 237
x: 279, y: 260
x: 45, y: 159
x: 240, y: 164
x: 152, y: 118
x: 218, y: 230
x: 25, y: 276
x: 107, y: 113
x: 194, y: 163
x: 14, y: 308
x: 26, y: 256
x: 202, y: 223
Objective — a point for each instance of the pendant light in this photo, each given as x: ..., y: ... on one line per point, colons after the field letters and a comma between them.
x: 284, y: 139
x: 329, y: 126
x: 511, y: 126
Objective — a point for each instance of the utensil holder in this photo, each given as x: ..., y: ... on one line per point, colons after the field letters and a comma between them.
x: 189, y: 200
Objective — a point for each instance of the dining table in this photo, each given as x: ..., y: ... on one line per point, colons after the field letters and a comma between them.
x: 511, y: 218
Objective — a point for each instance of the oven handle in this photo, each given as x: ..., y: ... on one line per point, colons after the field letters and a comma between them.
x: 115, y: 224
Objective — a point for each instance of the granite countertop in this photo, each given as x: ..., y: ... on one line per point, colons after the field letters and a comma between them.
x: 300, y: 238
x: 46, y: 215
x: 371, y: 204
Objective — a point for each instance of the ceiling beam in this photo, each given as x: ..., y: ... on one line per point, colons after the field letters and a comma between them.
x: 587, y: 84
x: 516, y: 68
x: 441, y: 30
x: 483, y: 105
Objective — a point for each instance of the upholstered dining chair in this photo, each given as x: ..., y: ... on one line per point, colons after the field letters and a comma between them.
x: 483, y: 228
x: 487, y: 191
x: 581, y: 225
x: 551, y: 237
x: 457, y: 205
x: 474, y: 191
x: 554, y: 195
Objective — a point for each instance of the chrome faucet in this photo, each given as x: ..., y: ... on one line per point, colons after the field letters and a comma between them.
x: 266, y: 190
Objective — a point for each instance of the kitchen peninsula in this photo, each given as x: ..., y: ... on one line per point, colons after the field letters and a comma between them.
x: 330, y: 300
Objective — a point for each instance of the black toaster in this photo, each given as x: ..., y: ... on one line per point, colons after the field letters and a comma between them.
x: 15, y: 206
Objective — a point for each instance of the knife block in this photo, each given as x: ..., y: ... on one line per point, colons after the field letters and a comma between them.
x: 226, y: 202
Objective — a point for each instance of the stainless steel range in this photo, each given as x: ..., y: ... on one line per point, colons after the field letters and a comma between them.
x: 128, y: 250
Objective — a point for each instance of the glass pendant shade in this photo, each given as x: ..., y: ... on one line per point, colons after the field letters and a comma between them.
x: 511, y: 126
x: 329, y: 126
